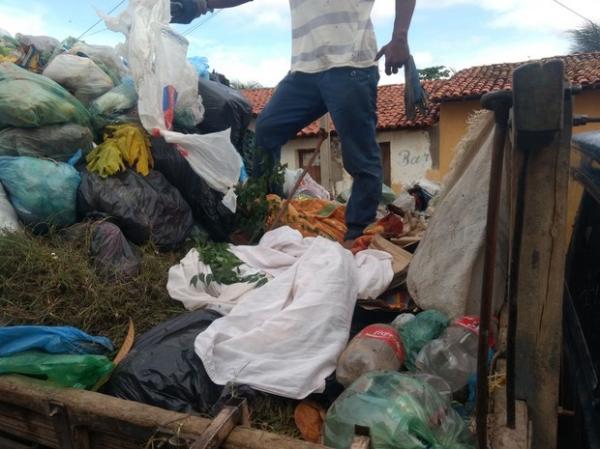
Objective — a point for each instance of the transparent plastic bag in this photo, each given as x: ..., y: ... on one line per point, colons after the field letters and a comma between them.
x: 419, y: 331
x: 112, y: 108
x: 29, y: 100
x: 401, y: 411
x: 377, y: 347
x: 79, y: 75
x: 66, y: 370
x: 42, y: 192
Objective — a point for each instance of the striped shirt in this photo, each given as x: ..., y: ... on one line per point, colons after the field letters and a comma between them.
x: 332, y: 33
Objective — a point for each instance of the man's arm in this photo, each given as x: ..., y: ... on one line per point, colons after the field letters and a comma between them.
x: 397, y: 51
x: 184, y: 11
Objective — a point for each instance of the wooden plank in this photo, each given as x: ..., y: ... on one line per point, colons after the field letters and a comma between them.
x: 111, y: 422
x: 543, y: 249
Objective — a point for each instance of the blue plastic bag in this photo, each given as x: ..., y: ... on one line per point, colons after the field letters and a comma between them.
x: 200, y: 63
x: 52, y: 339
x: 40, y: 190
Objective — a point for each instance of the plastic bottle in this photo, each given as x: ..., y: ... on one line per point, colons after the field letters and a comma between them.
x: 419, y: 331
x: 377, y: 347
x: 453, y: 356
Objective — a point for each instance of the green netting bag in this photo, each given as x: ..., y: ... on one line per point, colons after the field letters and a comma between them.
x: 76, y: 371
x: 401, y: 412
x: 28, y: 100
x: 426, y: 326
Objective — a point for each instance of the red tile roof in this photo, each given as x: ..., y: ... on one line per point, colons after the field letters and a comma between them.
x: 582, y: 68
x: 390, y: 107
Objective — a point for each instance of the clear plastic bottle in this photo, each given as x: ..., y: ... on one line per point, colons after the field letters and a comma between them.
x: 453, y: 356
x: 377, y: 347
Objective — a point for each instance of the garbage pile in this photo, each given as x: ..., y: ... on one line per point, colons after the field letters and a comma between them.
x: 121, y: 152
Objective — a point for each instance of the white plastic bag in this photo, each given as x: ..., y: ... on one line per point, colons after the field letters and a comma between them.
x: 79, y: 75
x: 8, y: 217
x: 104, y: 56
x: 214, y: 158
x: 157, y: 59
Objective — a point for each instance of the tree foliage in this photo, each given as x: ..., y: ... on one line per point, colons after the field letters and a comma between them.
x: 438, y: 72
x: 585, y: 39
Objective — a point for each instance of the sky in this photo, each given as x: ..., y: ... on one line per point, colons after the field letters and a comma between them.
x: 252, y: 42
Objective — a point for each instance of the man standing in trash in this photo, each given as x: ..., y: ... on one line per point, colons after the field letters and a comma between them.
x: 334, y: 69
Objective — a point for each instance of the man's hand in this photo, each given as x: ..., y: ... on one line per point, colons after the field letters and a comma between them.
x: 184, y: 11
x: 396, y: 54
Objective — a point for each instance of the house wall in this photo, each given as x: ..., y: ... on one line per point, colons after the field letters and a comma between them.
x: 410, y: 158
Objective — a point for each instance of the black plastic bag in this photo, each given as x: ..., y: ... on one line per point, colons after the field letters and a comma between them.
x: 58, y: 142
x: 206, y: 203
x: 145, y: 208
x: 163, y: 369
x: 225, y: 108
x: 112, y: 255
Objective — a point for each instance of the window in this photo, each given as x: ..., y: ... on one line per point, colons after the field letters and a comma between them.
x: 303, y: 160
x: 386, y: 162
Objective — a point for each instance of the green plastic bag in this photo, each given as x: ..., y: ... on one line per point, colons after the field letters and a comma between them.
x: 76, y: 371
x: 426, y: 326
x: 28, y: 100
x: 401, y: 412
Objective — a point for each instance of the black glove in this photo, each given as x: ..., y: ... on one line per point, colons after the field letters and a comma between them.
x: 184, y: 11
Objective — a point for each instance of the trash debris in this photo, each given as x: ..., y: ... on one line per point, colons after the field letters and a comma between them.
x: 115, y: 106
x: 67, y: 370
x: 452, y: 356
x: 214, y: 158
x: 163, y: 370
x: 28, y: 100
x: 402, y: 320
x: 80, y: 76
x: 377, y: 347
x: 8, y: 217
x: 312, y: 217
x: 401, y: 412
x: 206, y: 203
x: 57, y: 142
x: 112, y: 255
x: 309, y: 418
x: 51, y: 339
x: 309, y: 275
x: 225, y: 108
x: 37, y: 51
x: 105, y: 57
x: 42, y: 192
x: 309, y: 188
x: 416, y: 333
x: 145, y: 208
x: 123, y: 146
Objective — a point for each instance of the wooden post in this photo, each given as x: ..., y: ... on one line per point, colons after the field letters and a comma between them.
x: 538, y: 88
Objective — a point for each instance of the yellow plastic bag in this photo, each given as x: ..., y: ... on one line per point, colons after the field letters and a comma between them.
x: 123, y: 144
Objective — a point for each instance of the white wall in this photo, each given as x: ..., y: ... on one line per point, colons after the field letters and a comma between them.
x: 410, y: 158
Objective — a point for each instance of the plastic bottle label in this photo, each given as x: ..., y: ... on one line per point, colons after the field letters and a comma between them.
x: 386, y: 334
x: 471, y: 323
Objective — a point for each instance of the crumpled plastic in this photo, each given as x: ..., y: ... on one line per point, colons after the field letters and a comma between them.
x: 124, y: 145
x: 67, y: 370
x: 51, y: 339
x: 42, y: 192
x: 401, y: 411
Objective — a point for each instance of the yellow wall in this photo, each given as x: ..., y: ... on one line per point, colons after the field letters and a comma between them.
x: 453, y: 125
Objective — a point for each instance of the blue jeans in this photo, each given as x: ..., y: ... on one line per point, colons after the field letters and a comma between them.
x: 350, y: 96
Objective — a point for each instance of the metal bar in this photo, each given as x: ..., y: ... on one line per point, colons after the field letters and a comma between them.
x: 513, y: 277
x: 499, y: 102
